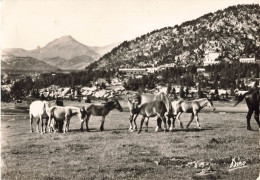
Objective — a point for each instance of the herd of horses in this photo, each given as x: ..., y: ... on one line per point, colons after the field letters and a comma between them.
x: 146, y: 105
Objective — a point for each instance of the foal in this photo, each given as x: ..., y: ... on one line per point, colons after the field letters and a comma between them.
x: 100, y: 110
x: 152, y: 109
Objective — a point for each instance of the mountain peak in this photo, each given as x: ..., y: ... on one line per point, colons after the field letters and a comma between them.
x: 62, y: 40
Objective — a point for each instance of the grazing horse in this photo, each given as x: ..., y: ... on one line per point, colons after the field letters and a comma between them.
x: 100, y: 110
x: 152, y: 109
x: 252, y: 101
x: 134, y: 102
x: 38, y: 110
x: 63, y: 114
x: 193, y: 107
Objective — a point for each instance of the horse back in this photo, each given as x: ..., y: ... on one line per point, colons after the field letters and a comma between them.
x: 153, y: 108
x: 60, y: 113
x: 38, y: 108
x: 95, y: 110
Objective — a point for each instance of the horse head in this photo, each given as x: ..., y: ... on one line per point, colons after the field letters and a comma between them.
x: 132, y: 104
x: 82, y: 113
x: 210, y: 104
x: 114, y: 104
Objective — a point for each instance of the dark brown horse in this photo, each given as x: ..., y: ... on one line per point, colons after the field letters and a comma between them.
x: 252, y: 101
x: 100, y: 110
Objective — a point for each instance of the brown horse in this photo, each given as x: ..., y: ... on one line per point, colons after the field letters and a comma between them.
x: 152, y: 109
x: 193, y: 107
x: 100, y: 110
x: 135, y: 101
x: 252, y: 101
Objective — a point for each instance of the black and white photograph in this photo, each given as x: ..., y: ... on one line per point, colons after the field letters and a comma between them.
x: 130, y: 89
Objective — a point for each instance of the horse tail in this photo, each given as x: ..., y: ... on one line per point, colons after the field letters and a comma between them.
x: 240, y: 99
x: 164, y: 98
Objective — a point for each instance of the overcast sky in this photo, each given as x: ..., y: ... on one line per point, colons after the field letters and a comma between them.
x: 31, y: 23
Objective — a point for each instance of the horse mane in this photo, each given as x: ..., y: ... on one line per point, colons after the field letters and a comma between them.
x: 109, y: 103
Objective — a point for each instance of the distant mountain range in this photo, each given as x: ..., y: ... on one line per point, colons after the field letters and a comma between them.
x: 232, y: 32
x: 24, y: 63
x: 64, y: 53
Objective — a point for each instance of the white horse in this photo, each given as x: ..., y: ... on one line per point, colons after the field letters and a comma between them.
x: 60, y: 113
x: 38, y: 110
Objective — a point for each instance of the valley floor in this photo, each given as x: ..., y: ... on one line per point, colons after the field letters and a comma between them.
x: 118, y: 154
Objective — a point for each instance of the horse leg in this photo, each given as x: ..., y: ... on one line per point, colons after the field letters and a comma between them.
x: 197, y: 120
x: 257, y: 116
x: 31, y: 122
x: 146, y: 124
x: 65, y: 124
x: 49, y: 124
x: 37, y: 125
x: 248, y: 117
x: 135, y: 126
x: 164, y: 122
x: 172, y: 124
x: 45, y: 124
x: 68, y: 125
x: 87, y: 120
x: 42, y: 123
x: 191, y: 119
x: 131, y: 121
x: 102, y: 123
x: 178, y: 118
x: 141, y: 124
x: 159, y: 125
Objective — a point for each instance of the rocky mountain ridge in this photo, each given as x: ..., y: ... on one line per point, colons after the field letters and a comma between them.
x: 232, y: 32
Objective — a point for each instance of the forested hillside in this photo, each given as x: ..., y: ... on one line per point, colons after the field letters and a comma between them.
x: 232, y: 32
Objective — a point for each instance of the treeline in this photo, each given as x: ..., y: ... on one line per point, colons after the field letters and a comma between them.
x: 223, y: 75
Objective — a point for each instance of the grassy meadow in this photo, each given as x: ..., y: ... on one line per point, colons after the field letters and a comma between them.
x: 117, y: 153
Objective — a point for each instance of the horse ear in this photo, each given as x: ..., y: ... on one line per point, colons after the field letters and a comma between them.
x: 82, y: 109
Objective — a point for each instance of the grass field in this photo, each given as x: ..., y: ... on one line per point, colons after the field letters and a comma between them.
x: 118, y: 154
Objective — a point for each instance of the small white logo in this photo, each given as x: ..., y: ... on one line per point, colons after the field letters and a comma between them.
x: 237, y: 164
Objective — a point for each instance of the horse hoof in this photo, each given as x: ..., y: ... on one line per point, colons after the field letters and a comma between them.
x: 31, y: 131
x: 157, y: 129
x: 139, y: 132
x: 199, y: 127
x: 249, y: 129
x: 133, y: 130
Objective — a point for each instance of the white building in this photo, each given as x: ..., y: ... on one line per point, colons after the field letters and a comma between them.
x: 153, y: 70
x: 136, y: 71
x: 201, y: 70
x: 210, y: 58
x: 247, y: 60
